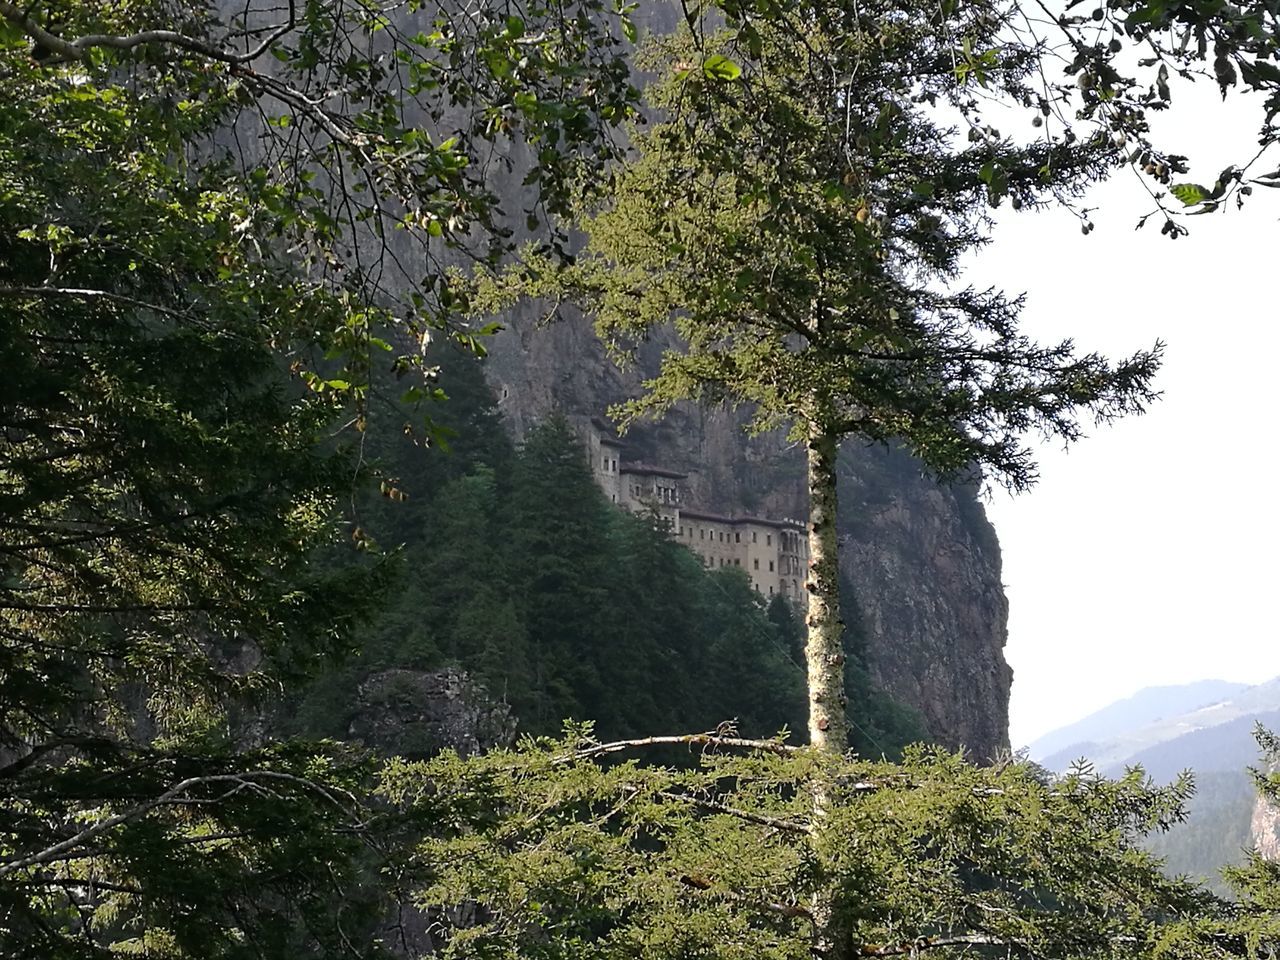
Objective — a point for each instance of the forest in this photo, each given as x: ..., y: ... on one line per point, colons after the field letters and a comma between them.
x: 250, y: 259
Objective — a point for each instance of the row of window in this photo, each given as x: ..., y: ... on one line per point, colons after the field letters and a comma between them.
x: 665, y: 494
x: 736, y: 562
x: 721, y: 535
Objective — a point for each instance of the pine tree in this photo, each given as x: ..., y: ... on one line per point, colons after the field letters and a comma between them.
x: 558, y: 526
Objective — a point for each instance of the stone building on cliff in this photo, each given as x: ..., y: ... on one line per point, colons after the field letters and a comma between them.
x: 774, y: 553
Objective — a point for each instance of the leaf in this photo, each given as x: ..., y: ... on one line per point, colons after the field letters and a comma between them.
x: 720, y: 67
x: 1189, y: 193
x: 1225, y: 73
x: 1259, y: 73
x: 629, y: 30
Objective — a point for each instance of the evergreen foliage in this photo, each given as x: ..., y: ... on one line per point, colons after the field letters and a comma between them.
x: 561, y: 855
x: 798, y: 216
x: 188, y: 327
x: 517, y: 569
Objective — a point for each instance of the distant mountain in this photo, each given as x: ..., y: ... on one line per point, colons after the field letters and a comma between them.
x: 1211, y: 735
x: 1142, y: 709
x: 1226, y: 748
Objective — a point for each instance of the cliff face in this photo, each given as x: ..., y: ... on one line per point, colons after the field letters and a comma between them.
x: 923, y: 559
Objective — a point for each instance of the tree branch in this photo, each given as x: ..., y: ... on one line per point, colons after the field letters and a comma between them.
x: 693, y: 740
x: 171, y: 797
x: 748, y: 815
x: 78, y: 49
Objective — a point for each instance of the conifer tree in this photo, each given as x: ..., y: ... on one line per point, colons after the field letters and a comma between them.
x: 557, y: 530
x: 189, y: 327
x: 800, y: 216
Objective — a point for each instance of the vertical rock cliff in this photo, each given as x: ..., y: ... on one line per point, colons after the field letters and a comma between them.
x: 923, y: 559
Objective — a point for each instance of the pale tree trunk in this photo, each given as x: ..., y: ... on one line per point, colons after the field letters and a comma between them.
x: 824, y: 650
x: 824, y: 655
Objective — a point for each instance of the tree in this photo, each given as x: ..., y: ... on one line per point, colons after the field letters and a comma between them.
x: 192, y: 325
x: 1120, y: 62
x: 800, y: 221
x: 557, y: 539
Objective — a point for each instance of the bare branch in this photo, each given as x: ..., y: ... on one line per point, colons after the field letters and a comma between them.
x: 691, y: 740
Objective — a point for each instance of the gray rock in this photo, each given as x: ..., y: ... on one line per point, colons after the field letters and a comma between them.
x: 415, y: 713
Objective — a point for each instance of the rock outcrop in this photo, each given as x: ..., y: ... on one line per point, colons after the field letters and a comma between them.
x: 415, y: 713
x: 1264, y: 828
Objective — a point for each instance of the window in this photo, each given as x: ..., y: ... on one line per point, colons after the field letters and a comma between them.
x: 615, y: 466
x: 771, y: 590
x: 737, y: 538
x: 737, y: 562
x: 606, y: 463
x: 771, y: 566
x: 753, y: 536
x: 755, y: 564
x: 702, y: 533
x: 722, y: 536
x: 768, y: 539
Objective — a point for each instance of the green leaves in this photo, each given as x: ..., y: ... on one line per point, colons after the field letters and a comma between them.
x: 1189, y: 193
x: 721, y: 68
x: 717, y: 857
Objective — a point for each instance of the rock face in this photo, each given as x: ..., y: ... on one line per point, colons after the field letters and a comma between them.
x: 414, y: 713
x: 1264, y: 829
x: 923, y: 559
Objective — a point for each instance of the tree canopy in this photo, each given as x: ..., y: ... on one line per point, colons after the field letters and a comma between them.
x: 188, y: 204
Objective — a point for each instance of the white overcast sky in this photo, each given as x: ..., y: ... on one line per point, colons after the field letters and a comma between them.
x: 1147, y: 552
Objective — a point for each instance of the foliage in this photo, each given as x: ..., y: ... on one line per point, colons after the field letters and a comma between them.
x: 1216, y: 832
x: 189, y: 320
x: 1233, y: 46
x: 561, y: 855
x: 1256, y: 884
x: 521, y: 573
x: 803, y: 232
x: 800, y: 223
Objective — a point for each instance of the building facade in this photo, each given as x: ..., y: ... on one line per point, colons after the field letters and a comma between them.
x: 773, y: 553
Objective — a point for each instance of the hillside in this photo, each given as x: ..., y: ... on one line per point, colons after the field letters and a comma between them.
x: 1212, y: 736
x: 1145, y: 707
x: 1116, y: 743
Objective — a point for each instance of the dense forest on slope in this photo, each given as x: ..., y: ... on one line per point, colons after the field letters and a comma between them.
x: 518, y: 570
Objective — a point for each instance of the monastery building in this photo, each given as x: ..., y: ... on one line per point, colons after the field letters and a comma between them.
x: 774, y: 553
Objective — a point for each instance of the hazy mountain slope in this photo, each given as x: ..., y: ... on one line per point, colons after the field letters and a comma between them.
x: 1142, y: 709
x: 1214, y: 740
x: 1113, y: 752
x: 1226, y: 748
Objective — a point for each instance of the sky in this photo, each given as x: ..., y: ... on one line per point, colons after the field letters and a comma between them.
x: 1146, y: 554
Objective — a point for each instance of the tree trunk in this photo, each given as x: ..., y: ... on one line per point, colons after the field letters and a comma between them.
x: 824, y: 649
x: 824, y: 656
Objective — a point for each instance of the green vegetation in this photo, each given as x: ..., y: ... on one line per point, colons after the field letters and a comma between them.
x: 517, y: 569
x: 582, y: 859
x: 194, y: 269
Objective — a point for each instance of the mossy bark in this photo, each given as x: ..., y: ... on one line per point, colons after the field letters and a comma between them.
x: 824, y: 656
x: 824, y: 649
